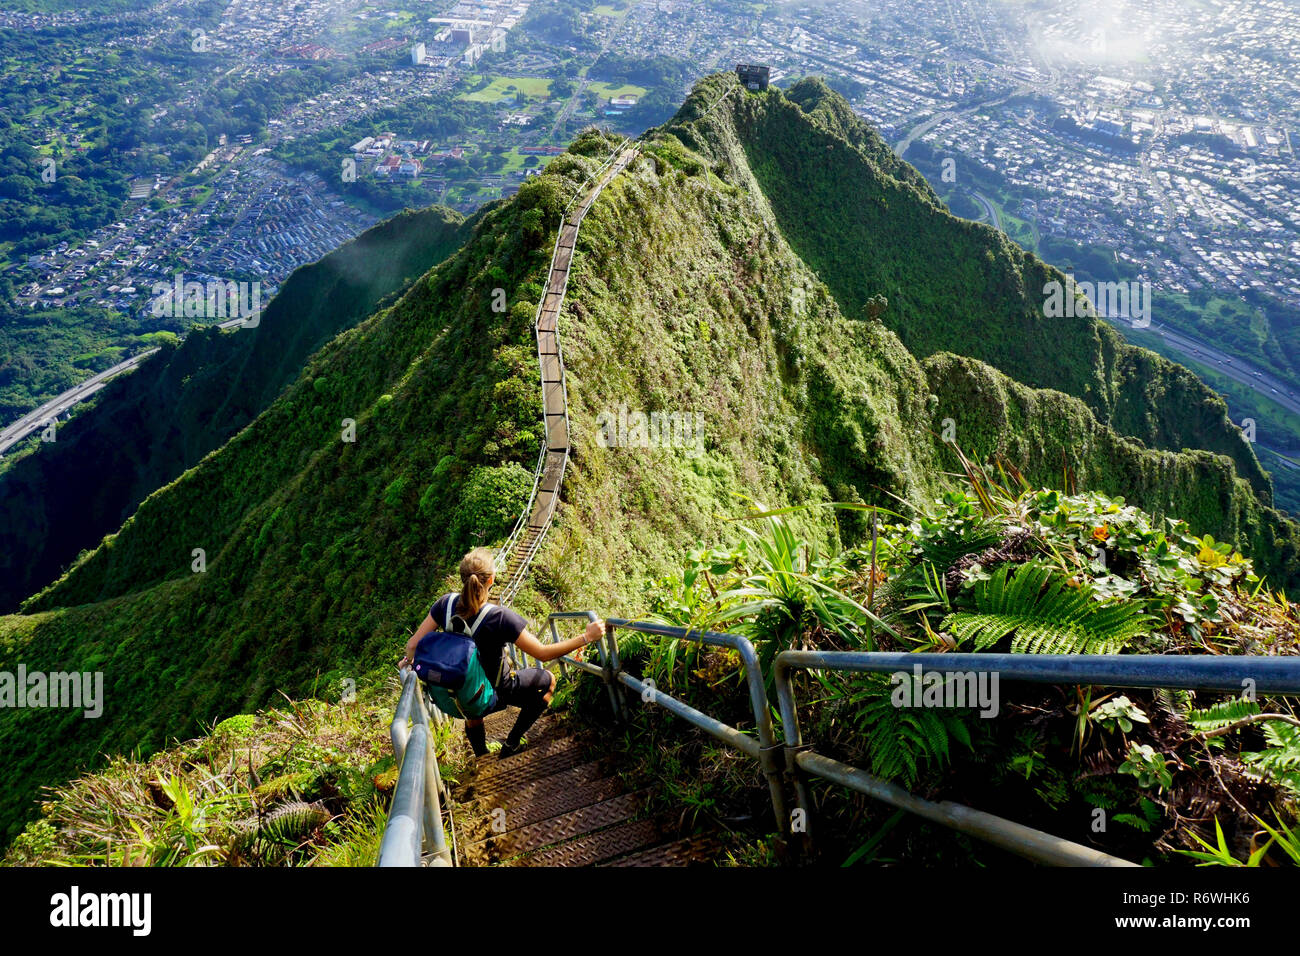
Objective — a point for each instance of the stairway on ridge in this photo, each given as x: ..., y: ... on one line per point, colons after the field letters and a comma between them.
x: 564, y: 805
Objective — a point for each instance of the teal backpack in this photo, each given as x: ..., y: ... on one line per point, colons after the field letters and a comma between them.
x: 447, y: 661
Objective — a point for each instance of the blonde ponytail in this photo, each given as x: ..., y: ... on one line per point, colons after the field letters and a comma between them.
x: 476, y: 569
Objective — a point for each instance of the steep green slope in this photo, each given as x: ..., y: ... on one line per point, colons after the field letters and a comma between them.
x: 145, y: 429
x: 320, y: 551
x: 1052, y: 437
x: 871, y: 226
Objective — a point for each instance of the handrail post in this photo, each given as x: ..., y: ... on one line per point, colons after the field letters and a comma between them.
x: 766, y: 750
x: 610, y: 666
x: 435, y: 836
x: 769, y: 760
x: 555, y: 639
x: 793, y: 745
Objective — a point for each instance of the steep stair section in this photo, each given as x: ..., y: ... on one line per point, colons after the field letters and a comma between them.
x: 559, y: 803
x: 518, y: 553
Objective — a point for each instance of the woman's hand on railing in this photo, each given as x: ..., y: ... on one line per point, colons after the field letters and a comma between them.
x: 594, y: 632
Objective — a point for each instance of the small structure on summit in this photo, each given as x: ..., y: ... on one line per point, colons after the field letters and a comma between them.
x: 753, y: 76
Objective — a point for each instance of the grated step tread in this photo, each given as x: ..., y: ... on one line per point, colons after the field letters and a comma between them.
x: 689, y: 851
x: 557, y: 829
x: 593, y: 848
x: 515, y: 773
x: 521, y: 813
x: 575, y: 776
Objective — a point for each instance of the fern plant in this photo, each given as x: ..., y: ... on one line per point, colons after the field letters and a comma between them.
x: 1045, y: 614
x: 1280, y: 763
x: 900, y: 742
x: 1221, y: 715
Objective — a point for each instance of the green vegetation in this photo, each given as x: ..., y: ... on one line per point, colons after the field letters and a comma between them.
x: 47, y: 351
x: 58, y: 499
x: 1257, y: 328
x: 329, y: 520
x: 610, y: 90
x: 304, y: 784
x: 988, y: 568
x: 508, y: 87
x: 928, y: 264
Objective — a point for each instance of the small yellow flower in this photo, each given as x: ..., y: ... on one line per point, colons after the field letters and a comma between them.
x: 1100, y: 533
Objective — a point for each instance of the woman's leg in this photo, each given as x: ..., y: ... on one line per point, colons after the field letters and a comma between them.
x: 477, y: 735
x: 535, y: 688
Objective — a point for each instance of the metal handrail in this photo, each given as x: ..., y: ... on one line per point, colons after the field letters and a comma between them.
x: 1221, y: 673
x: 764, y: 749
x: 415, y: 817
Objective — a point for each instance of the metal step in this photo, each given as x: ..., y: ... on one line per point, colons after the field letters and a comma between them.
x: 514, y: 774
x: 499, y: 724
x: 596, y: 847
x: 538, y: 734
x: 492, y: 767
x: 557, y: 830
x: 576, y: 776
x: 499, y: 827
x: 690, y: 851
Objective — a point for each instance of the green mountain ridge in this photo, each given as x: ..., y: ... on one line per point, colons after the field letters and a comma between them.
x: 693, y: 290
x: 146, y: 428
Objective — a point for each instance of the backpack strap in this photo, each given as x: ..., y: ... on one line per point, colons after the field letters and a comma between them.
x: 473, y: 626
x: 479, y: 620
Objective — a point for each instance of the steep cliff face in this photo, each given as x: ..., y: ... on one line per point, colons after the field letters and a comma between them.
x: 1054, y: 438
x: 326, y: 525
x: 869, y: 226
x: 147, y: 428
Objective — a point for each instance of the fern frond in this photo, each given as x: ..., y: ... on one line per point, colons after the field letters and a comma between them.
x: 1281, y: 762
x: 1176, y: 701
x: 1221, y: 714
x: 1046, y: 615
x: 901, y: 741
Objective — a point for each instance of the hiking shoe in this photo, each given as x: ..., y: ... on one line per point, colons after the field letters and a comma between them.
x: 506, y: 750
x: 493, y: 747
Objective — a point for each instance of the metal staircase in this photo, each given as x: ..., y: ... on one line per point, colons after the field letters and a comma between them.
x: 515, y: 557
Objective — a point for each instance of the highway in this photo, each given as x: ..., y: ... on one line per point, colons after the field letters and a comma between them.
x: 36, y: 419
x: 990, y: 210
x: 1239, y: 370
x: 56, y: 406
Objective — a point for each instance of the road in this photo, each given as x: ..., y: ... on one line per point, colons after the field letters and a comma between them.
x: 990, y: 210
x: 900, y: 150
x: 56, y: 406
x: 1239, y: 370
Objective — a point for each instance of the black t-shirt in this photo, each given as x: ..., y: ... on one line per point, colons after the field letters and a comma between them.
x: 500, y: 626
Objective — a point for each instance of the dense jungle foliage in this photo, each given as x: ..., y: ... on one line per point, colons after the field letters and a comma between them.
x: 311, y: 543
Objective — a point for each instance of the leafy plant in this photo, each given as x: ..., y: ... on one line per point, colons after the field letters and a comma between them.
x: 1045, y: 614
x: 1119, y: 713
x: 900, y: 741
x: 1150, y: 768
